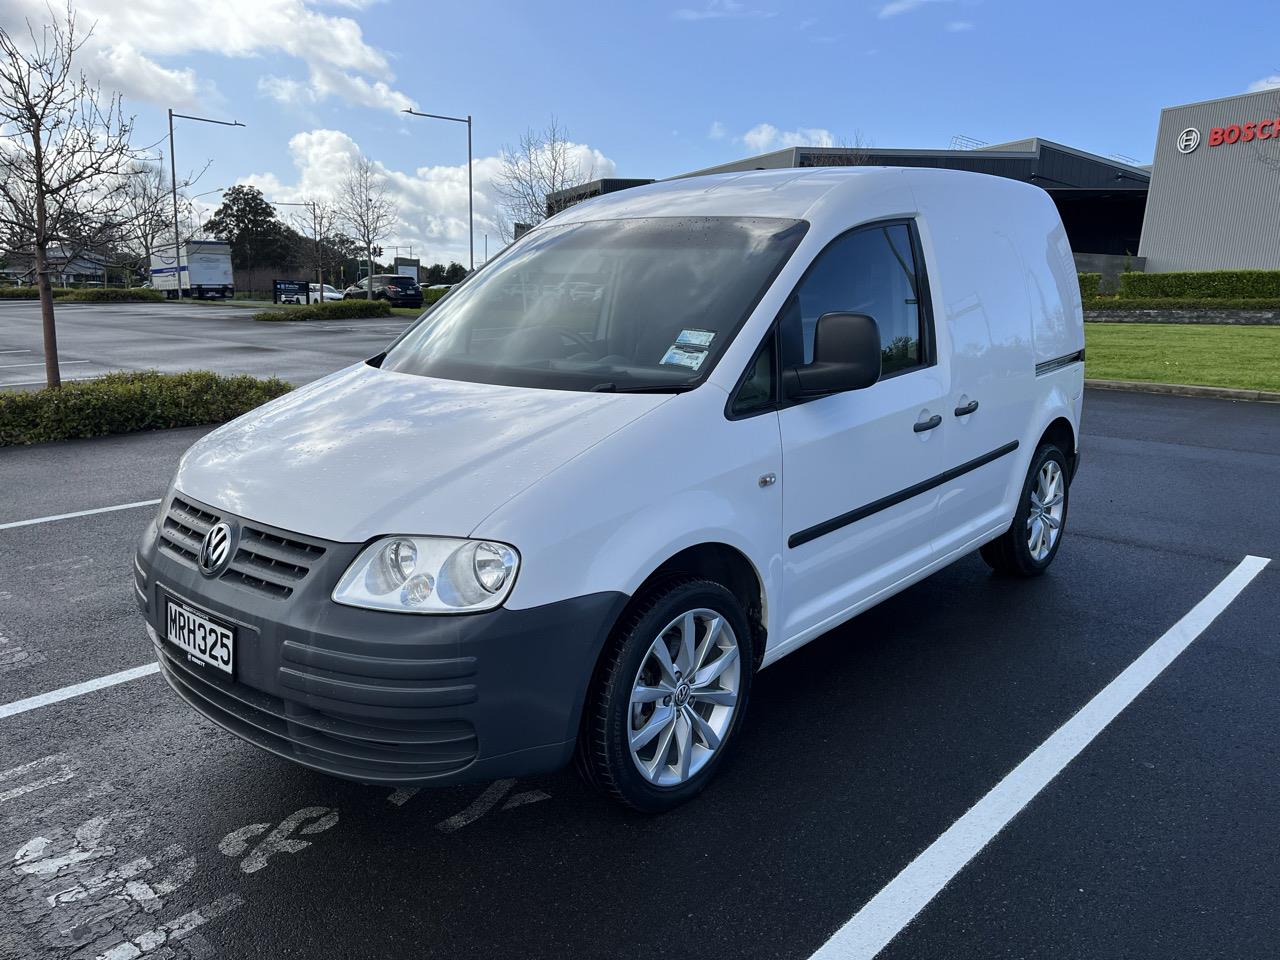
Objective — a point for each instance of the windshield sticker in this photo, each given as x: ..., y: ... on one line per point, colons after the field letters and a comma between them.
x: 681, y: 356
x: 697, y: 338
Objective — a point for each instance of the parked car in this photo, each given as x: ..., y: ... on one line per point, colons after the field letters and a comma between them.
x: 397, y: 290
x: 324, y: 293
x: 542, y: 525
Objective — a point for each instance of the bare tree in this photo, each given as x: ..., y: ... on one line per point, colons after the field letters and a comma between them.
x: 146, y: 214
x: 64, y: 157
x: 543, y: 162
x: 365, y: 208
x: 845, y: 152
x: 317, y: 223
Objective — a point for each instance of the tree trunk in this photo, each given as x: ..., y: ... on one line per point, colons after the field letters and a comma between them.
x: 52, y: 375
x: 368, y: 294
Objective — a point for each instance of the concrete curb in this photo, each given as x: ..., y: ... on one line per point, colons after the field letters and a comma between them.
x: 1184, y: 390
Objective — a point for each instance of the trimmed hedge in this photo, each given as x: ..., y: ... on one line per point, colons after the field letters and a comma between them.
x: 431, y: 296
x: 1090, y: 283
x: 86, y: 294
x: 1203, y: 284
x: 333, y: 310
x: 31, y: 293
x: 1182, y: 303
x: 113, y: 295
x: 128, y: 402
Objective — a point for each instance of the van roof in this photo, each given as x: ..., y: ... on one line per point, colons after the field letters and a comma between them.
x: 795, y: 193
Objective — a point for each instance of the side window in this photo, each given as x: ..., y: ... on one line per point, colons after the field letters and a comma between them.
x: 871, y: 271
x: 757, y: 390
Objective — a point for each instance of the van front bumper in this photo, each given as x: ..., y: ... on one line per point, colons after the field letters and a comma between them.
x: 373, y: 696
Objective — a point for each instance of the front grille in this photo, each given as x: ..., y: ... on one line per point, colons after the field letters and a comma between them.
x: 386, y: 750
x: 267, y: 563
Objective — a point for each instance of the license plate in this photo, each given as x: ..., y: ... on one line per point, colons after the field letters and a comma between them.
x: 203, y: 640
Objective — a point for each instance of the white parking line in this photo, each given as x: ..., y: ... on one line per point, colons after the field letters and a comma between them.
x: 78, y: 513
x: 897, y: 904
x: 76, y: 690
x: 15, y: 351
x: 6, y: 366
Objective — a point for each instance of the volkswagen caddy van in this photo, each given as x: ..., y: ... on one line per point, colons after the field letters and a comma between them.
x: 666, y: 438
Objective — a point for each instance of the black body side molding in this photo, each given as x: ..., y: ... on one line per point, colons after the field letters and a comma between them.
x: 893, y: 499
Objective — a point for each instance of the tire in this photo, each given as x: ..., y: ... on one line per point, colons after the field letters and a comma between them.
x: 680, y: 763
x: 1012, y: 552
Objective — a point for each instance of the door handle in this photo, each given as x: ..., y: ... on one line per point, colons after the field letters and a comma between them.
x: 967, y: 409
x: 923, y: 425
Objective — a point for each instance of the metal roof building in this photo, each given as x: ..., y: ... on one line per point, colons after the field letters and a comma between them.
x: 1101, y: 199
x: 1216, y: 186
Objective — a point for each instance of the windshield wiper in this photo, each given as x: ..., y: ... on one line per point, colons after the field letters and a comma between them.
x: 653, y: 388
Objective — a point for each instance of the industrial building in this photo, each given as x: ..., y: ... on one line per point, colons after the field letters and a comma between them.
x: 1215, y: 186
x: 1207, y: 203
x: 1101, y: 199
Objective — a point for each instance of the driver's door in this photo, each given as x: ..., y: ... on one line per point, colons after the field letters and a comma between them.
x: 852, y: 526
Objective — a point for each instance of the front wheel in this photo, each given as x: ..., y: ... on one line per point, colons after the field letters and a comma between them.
x: 669, y: 696
x: 1029, y: 545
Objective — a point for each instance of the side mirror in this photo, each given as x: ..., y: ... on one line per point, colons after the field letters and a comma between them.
x: 846, y: 356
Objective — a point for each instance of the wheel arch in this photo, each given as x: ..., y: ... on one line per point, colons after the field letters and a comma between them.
x: 1062, y: 434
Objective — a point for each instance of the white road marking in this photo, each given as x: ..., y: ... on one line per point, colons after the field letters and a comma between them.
x: 402, y: 795
x: 897, y: 904
x: 14, y: 656
x: 15, y: 351
x: 528, y: 796
x: 32, y: 856
x: 61, y: 774
x: 63, y: 363
x: 184, y: 926
x: 280, y: 840
x: 12, y: 524
x: 479, y: 807
x: 76, y: 690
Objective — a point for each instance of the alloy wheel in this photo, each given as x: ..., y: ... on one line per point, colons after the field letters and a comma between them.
x: 1044, y: 520
x: 684, y: 697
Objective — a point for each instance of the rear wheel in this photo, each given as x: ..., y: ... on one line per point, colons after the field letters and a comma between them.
x: 669, y: 696
x: 1029, y: 545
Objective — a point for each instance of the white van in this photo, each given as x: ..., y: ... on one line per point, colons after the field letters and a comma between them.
x: 666, y: 438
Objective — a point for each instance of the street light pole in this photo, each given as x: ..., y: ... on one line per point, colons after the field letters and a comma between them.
x: 471, y: 195
x: 173, y: 175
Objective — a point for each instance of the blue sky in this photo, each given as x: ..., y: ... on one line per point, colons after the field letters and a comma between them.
x: 649, y: 89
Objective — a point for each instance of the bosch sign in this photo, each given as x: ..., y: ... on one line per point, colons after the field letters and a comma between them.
x: 1245, y: 132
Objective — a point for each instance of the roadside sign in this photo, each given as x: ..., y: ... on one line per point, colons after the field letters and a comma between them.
x: 291, y: 291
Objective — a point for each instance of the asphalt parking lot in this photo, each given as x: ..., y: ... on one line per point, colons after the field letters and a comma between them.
x: 132, y: 828
x: 94, y: 339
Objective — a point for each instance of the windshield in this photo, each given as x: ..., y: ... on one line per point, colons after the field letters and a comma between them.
x: 644, y: 304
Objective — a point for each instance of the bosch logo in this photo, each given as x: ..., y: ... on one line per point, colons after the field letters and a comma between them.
x: 1188, y: 140
x: 1238, y: 133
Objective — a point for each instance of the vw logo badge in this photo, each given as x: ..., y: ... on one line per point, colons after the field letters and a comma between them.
x: 215, y: 551
x: 1188, y: 140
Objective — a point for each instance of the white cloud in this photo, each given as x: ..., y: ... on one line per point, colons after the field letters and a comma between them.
x: 1266, y: 83
x: 122, y: 69
x: 764, y: 137
x: 959, y: 26
x: 431, y: 202
x: 132, y: 37
x: 723, y: 10
x: 896, y: 7
x: 717, y: 131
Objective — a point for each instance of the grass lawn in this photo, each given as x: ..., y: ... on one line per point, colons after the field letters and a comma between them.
x: 1209, y: 355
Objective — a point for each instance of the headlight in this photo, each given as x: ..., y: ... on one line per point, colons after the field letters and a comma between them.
x: 429, y: 575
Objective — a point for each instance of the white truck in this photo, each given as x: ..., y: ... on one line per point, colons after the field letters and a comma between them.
x: 203, y: 269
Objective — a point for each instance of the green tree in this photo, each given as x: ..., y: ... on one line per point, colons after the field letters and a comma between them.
x: 257, y: 236
x: 455, y: 273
